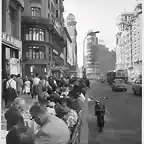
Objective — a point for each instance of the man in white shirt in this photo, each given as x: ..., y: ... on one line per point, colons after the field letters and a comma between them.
x: 11, y: 82
x: 35, y: 88
x: 11, y: 93
x: 36, y: 80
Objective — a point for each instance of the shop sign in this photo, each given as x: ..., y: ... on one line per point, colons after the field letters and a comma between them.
x: 57, y: 26
x: 11, y: 40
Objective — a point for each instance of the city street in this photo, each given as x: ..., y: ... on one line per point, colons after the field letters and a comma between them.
x: 122, y: 119
x: 123, y: 116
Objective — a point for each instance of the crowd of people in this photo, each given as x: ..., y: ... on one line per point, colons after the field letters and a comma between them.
x: 58, y: 103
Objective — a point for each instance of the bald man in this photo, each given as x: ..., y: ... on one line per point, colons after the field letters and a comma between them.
x: 52, y: 129
x: 14, y: 115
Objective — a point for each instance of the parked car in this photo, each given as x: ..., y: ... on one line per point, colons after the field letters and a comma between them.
x: 119, y: 85
x: 137, y: 87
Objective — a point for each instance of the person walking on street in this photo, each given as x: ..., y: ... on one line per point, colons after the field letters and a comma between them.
x: 19, y: 84
x: 35, y: 88
x: 11, y: 93
x: 27, y: 85
x: 4, y: 91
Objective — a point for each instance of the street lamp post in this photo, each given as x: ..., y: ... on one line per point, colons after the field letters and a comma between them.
x: 84, y: 134
x: 91, y: 33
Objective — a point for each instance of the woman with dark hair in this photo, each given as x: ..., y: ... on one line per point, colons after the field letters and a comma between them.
x: 75, y: 94
x: 64, y: 111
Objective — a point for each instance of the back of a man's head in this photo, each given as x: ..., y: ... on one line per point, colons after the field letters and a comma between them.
x: 38, y: 108
x: 37, y: 75
x: 19, y: 102
x: 11, y: 76
x: 18, y: 75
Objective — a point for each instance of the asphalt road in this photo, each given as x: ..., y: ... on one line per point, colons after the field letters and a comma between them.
x: 123, y: 116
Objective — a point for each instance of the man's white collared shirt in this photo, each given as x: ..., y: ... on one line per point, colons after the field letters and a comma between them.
x: 11, y: 83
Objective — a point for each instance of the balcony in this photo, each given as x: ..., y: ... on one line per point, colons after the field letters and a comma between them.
x: 37, y: 21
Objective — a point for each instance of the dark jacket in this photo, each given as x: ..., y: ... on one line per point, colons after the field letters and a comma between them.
x: 18, y: 134
x: 13, y: 117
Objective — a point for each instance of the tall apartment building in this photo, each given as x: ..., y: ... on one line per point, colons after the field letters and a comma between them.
x: 91, y: 55
x: 11, y: 36
x: 137, y: 39
x: 43, y: 36
x: 71, y: 27
x: 129, y: 41
x: 119, y: 63
x: 123, y: 50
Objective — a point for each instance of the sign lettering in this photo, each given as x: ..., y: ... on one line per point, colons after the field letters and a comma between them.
x: 57, y: 27
x: 11, y: 40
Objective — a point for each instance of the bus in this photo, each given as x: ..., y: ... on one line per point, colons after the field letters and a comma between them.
x: 117, y: 74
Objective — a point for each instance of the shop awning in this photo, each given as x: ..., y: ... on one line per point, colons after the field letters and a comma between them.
x: 11, y: 46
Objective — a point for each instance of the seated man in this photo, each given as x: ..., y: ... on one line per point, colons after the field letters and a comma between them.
x: 18, y: 134
x: 14, y: 115
x: 52, y: 129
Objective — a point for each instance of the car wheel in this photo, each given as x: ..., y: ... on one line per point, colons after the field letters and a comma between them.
x: 125, y: 90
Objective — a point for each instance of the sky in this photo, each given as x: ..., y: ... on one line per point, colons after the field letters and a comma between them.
x: 96, y: 15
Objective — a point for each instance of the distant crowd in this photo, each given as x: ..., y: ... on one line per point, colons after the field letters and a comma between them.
x: 56, y: 108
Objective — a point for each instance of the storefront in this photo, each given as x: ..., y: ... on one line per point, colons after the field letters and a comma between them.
x: 11, y: 55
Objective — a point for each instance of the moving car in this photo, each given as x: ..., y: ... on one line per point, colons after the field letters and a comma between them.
x: 119, y: 85
x: 137, y: 87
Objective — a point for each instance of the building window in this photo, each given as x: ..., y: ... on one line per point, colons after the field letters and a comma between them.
x: 56, y: 1
x: 52, y: 8
x: 50, y: 54
x: 57, y: 13
x: 13, y: 21
x: 35, y: 52
x: 49, y: 4
x: 36, y: 11
x: 35, y: 34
